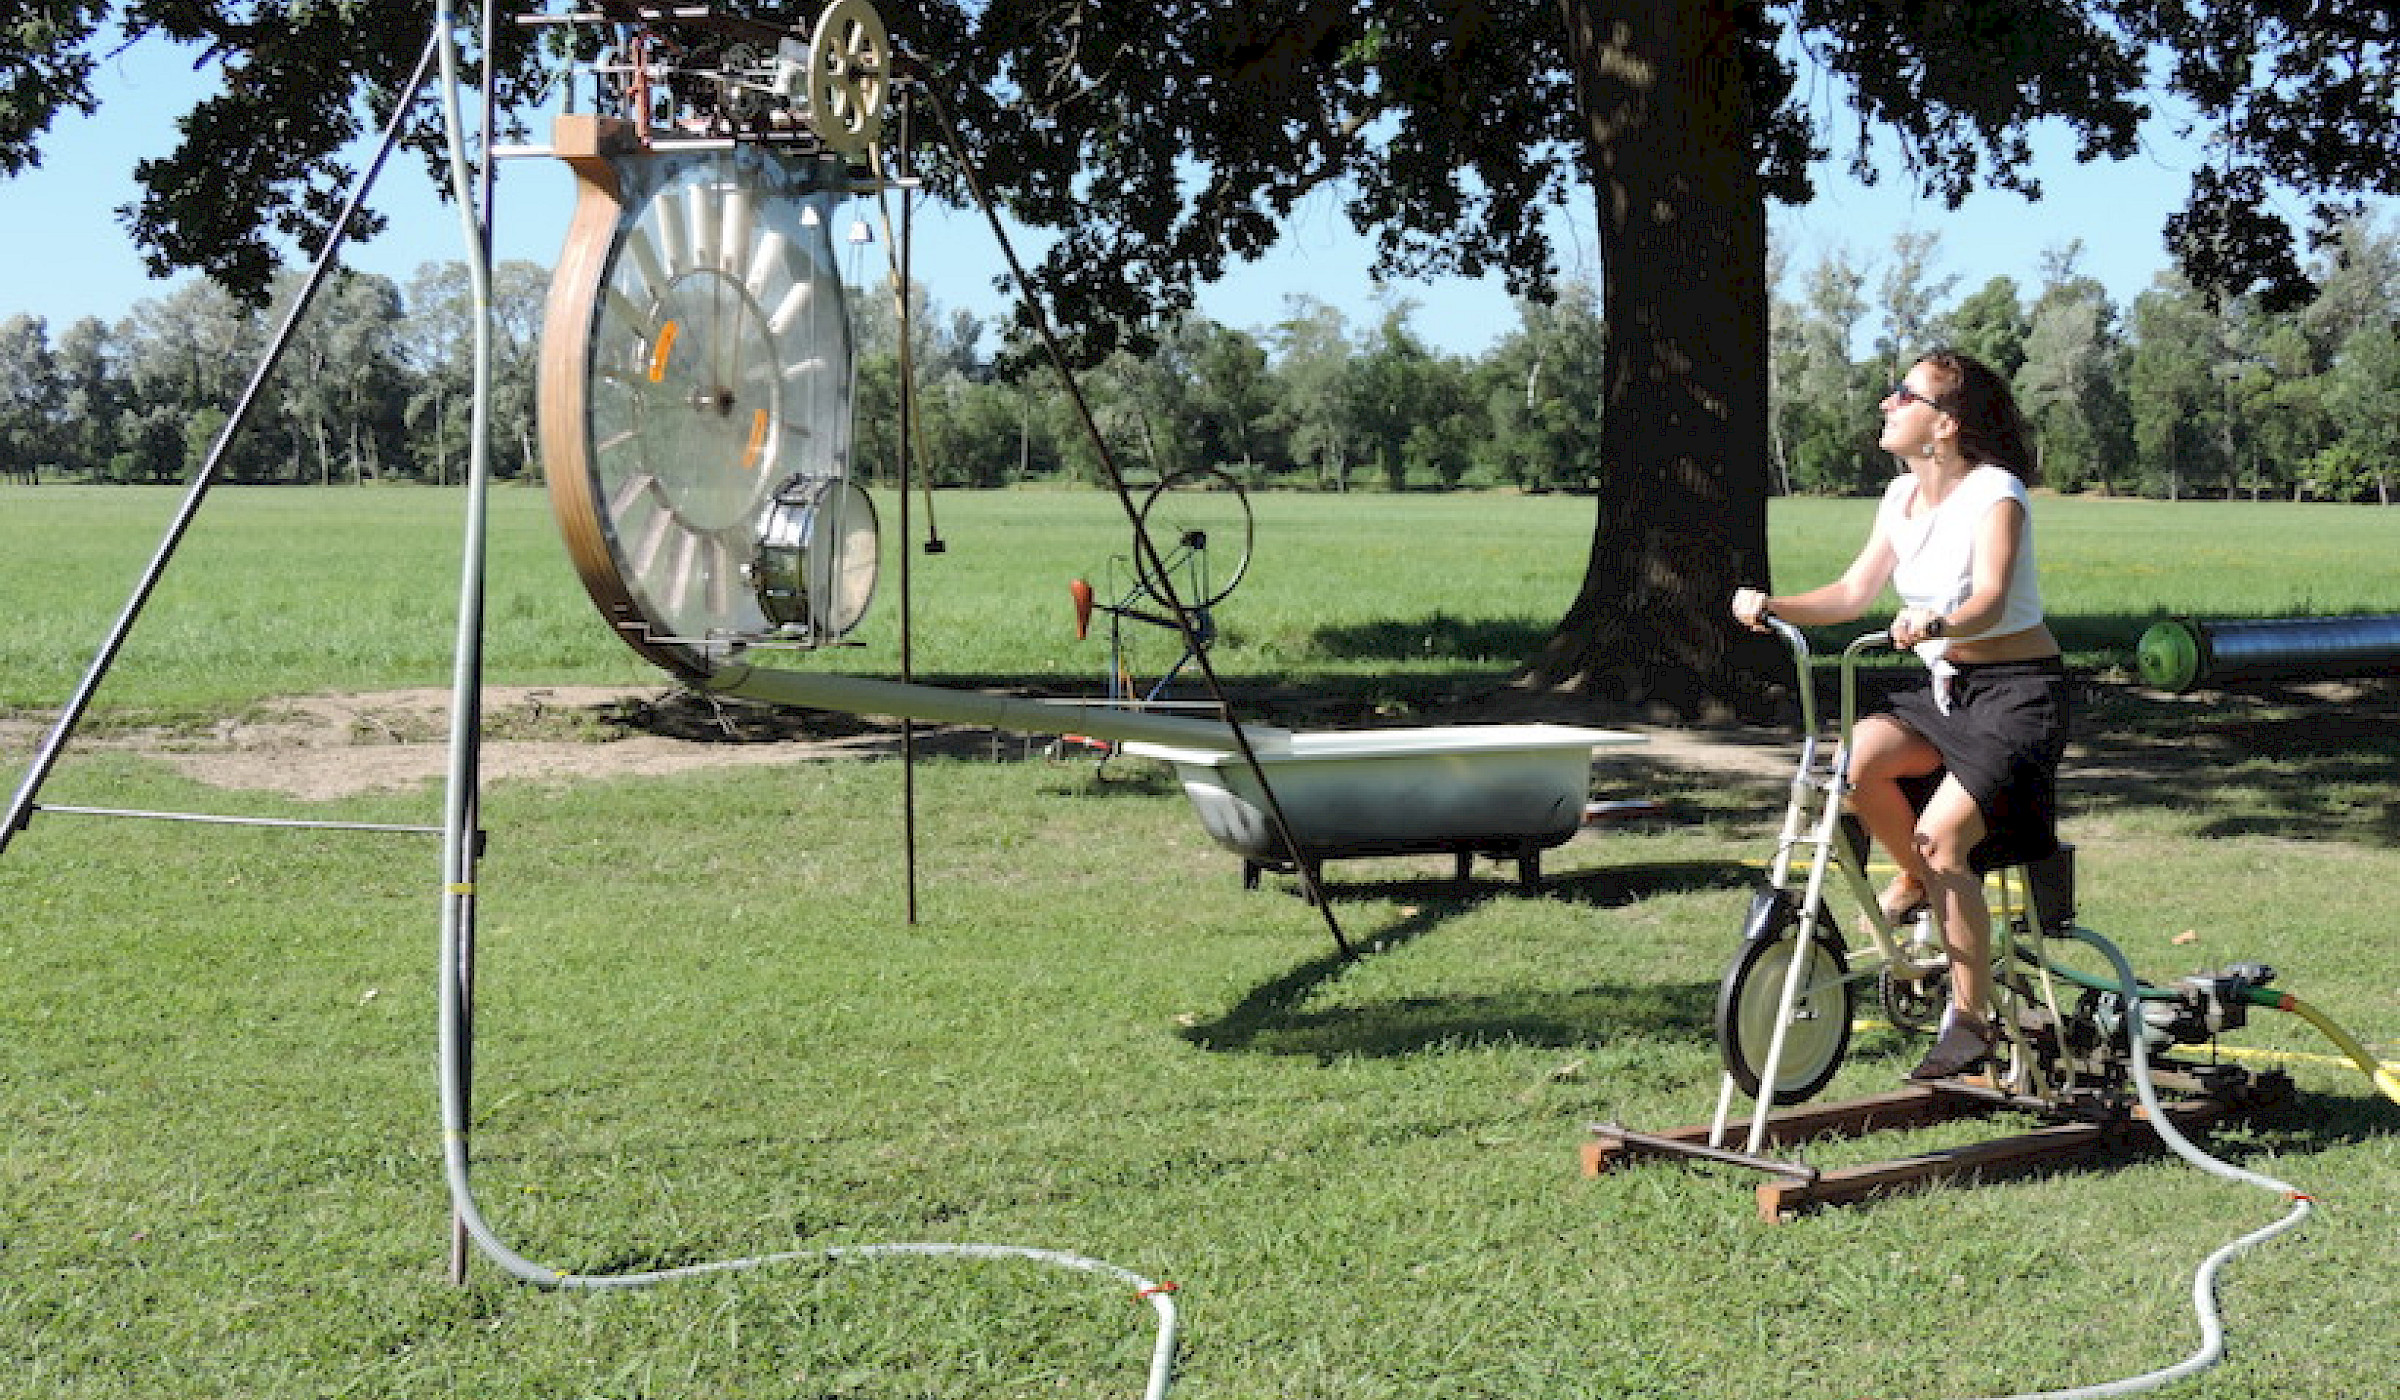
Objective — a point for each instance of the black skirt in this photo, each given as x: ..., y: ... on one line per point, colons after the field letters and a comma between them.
x: 2002, y: 738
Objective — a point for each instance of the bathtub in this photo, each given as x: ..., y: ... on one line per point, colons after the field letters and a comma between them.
x: 1506, y: 791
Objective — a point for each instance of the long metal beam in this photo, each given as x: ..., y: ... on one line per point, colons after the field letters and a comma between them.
x: 861, y: 695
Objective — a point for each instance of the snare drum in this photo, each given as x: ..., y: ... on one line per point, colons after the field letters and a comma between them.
x: 814, y: 571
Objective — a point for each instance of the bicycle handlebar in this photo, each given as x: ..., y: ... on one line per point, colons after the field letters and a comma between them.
x: 1797, y: 640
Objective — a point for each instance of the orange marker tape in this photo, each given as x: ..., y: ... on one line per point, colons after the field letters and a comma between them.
x: 758, y: 441
x: 660, y: 351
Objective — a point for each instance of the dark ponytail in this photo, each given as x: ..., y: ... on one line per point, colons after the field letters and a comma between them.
x: 1990, y: 429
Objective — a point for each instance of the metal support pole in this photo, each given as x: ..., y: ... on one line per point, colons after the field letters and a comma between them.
x: 54, y: 744
x: 462, y: 804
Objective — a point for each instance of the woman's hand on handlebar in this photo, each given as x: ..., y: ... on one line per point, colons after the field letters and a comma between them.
x: 1914, y: 625
x: 1750, y: 608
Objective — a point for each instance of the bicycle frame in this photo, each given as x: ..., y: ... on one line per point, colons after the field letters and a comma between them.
x: 1814, y: 816
x: 1820, y: 839
x: 1137, y: 601
x: 1177, y: 581
x: 1129, y: 607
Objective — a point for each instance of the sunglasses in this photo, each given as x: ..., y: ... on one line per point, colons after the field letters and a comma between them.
x: 1906, y: 396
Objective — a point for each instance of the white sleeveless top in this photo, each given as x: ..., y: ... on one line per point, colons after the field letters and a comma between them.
x: 1934, y: 553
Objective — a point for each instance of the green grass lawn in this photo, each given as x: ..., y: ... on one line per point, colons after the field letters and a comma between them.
x: 707, y: 1030
x: 279, y: 591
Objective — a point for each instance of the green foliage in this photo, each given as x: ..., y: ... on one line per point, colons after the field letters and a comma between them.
x: 45, y: 50
x: 1991, y: 325
x: 371, y: 385
x: 1162, y: 143
x: 2176, y: 397
x: 26, y: 375
x: 1824, y: 403
x: 2072, y: 383
x: 2363, y: 397
x: 1269, y: 105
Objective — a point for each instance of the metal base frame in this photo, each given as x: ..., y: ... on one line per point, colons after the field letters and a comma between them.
x: 2077, y: 1128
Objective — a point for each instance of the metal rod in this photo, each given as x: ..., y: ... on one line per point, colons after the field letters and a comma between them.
x: 1663, y: 1145
x: 1145, y: 550
x: 54, y: 744
x: 207, y: 819
x: 899, y: 278
x: 863, y: 695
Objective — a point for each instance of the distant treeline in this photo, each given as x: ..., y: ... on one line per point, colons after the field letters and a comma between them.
x: 2169, y: 397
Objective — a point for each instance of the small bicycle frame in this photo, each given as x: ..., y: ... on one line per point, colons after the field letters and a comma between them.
x: 1138, y: 604
x: 1174, y: 586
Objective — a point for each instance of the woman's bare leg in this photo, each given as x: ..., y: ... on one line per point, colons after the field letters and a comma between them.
x: 1882, y: 753
x: 1948, y: 829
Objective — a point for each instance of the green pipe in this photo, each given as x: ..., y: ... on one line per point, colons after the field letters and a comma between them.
x: 2382, y: 1076
x: 2102, y: 984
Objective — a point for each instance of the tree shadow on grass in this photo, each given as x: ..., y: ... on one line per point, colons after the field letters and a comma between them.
x: 1502, y: 641
x: 1085, y: 776
x: 2310, y: 1122
x: 1274, y: 1018
x: 1616, y: 886
x: 1266, y: 1024
x: 2307, y: 759
x: 1608, y: 887
x: 2303, y: 761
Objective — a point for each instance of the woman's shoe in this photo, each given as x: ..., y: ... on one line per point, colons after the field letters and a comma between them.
x: 1964, y: 1044
x: 1902, y: 904
x: 1902, y: 900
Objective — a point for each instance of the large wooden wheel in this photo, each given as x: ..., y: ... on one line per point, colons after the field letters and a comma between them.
x: 694, y: 380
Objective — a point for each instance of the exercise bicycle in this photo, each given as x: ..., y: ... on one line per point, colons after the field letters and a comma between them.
x: 1787, y: 1003
x: 2067, y: 1048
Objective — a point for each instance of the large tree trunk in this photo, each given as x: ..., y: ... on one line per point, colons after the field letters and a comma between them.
x: 1683, y: 470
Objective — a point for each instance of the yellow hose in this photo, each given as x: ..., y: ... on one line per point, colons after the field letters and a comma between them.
x: 2386, y: 1080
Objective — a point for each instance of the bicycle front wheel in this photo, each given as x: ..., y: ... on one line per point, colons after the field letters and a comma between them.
x: 1199, y: 528
x: 1750, y: 1004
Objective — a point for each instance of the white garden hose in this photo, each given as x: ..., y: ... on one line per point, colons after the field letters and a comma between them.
x: 2204, y: 1282
x: 458, y: 866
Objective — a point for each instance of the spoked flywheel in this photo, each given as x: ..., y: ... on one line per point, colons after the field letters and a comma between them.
x: 1198, y: 524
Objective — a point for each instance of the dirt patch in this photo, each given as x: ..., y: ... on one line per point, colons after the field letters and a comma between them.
x: 325, y: 747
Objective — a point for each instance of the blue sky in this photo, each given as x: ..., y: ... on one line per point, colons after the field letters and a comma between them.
x: 64, y: 253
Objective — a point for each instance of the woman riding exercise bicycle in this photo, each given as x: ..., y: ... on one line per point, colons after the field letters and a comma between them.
x: 1954, y: 538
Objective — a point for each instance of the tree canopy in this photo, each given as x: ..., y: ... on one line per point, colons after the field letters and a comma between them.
x: 1448, y: 126
x: 1164, y: 139
x: 2166, y: 396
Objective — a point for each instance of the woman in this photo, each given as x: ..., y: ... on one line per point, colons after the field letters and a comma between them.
x: 1954, y: 538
